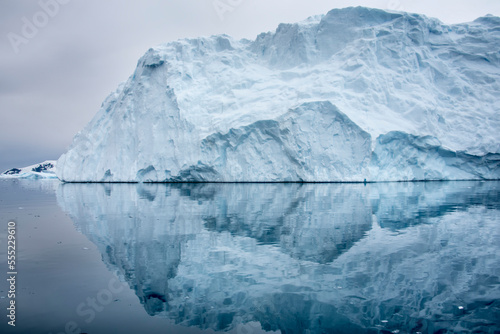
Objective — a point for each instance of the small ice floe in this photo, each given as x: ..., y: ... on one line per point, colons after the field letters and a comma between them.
x: 396, y: 331
x: 85, y: 248
x: 384, y: 321
x: 460, y: 307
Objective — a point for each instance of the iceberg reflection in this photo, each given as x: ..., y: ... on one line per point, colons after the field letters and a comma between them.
x: 295, y: 257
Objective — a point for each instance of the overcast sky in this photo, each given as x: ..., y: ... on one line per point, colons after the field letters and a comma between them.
x: 59, y: 60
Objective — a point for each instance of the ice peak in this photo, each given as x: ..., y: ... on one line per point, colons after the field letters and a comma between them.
x: 489, y: 20
x: 361, y: 16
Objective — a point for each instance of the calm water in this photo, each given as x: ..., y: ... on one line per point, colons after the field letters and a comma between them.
x: 253, y: 258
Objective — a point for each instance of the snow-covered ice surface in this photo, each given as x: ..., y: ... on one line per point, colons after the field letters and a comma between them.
x: 308, y: 102
x: 44, y: 170
x: 300, y: 258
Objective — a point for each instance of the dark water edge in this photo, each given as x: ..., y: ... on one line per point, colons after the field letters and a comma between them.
x: 249, y: 258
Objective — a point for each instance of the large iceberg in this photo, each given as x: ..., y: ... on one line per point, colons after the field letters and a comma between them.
x: 356, y: 94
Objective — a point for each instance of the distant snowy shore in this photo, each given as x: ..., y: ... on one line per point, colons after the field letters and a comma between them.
x: 44, y: 170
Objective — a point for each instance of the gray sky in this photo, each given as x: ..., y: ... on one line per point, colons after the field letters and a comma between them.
x: 53, y: 78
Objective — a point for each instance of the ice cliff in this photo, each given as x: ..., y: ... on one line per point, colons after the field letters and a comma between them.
x: 355, y: 94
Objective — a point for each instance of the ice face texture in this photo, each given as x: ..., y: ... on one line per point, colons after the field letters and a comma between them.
x: 355, y: 94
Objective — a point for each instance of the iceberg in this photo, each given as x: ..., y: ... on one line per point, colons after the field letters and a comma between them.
x: 355, y: 95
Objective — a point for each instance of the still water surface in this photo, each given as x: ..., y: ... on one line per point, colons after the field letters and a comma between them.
x: 253, y: 258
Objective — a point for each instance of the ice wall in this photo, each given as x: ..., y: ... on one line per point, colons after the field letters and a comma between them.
x: 298, y: 104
